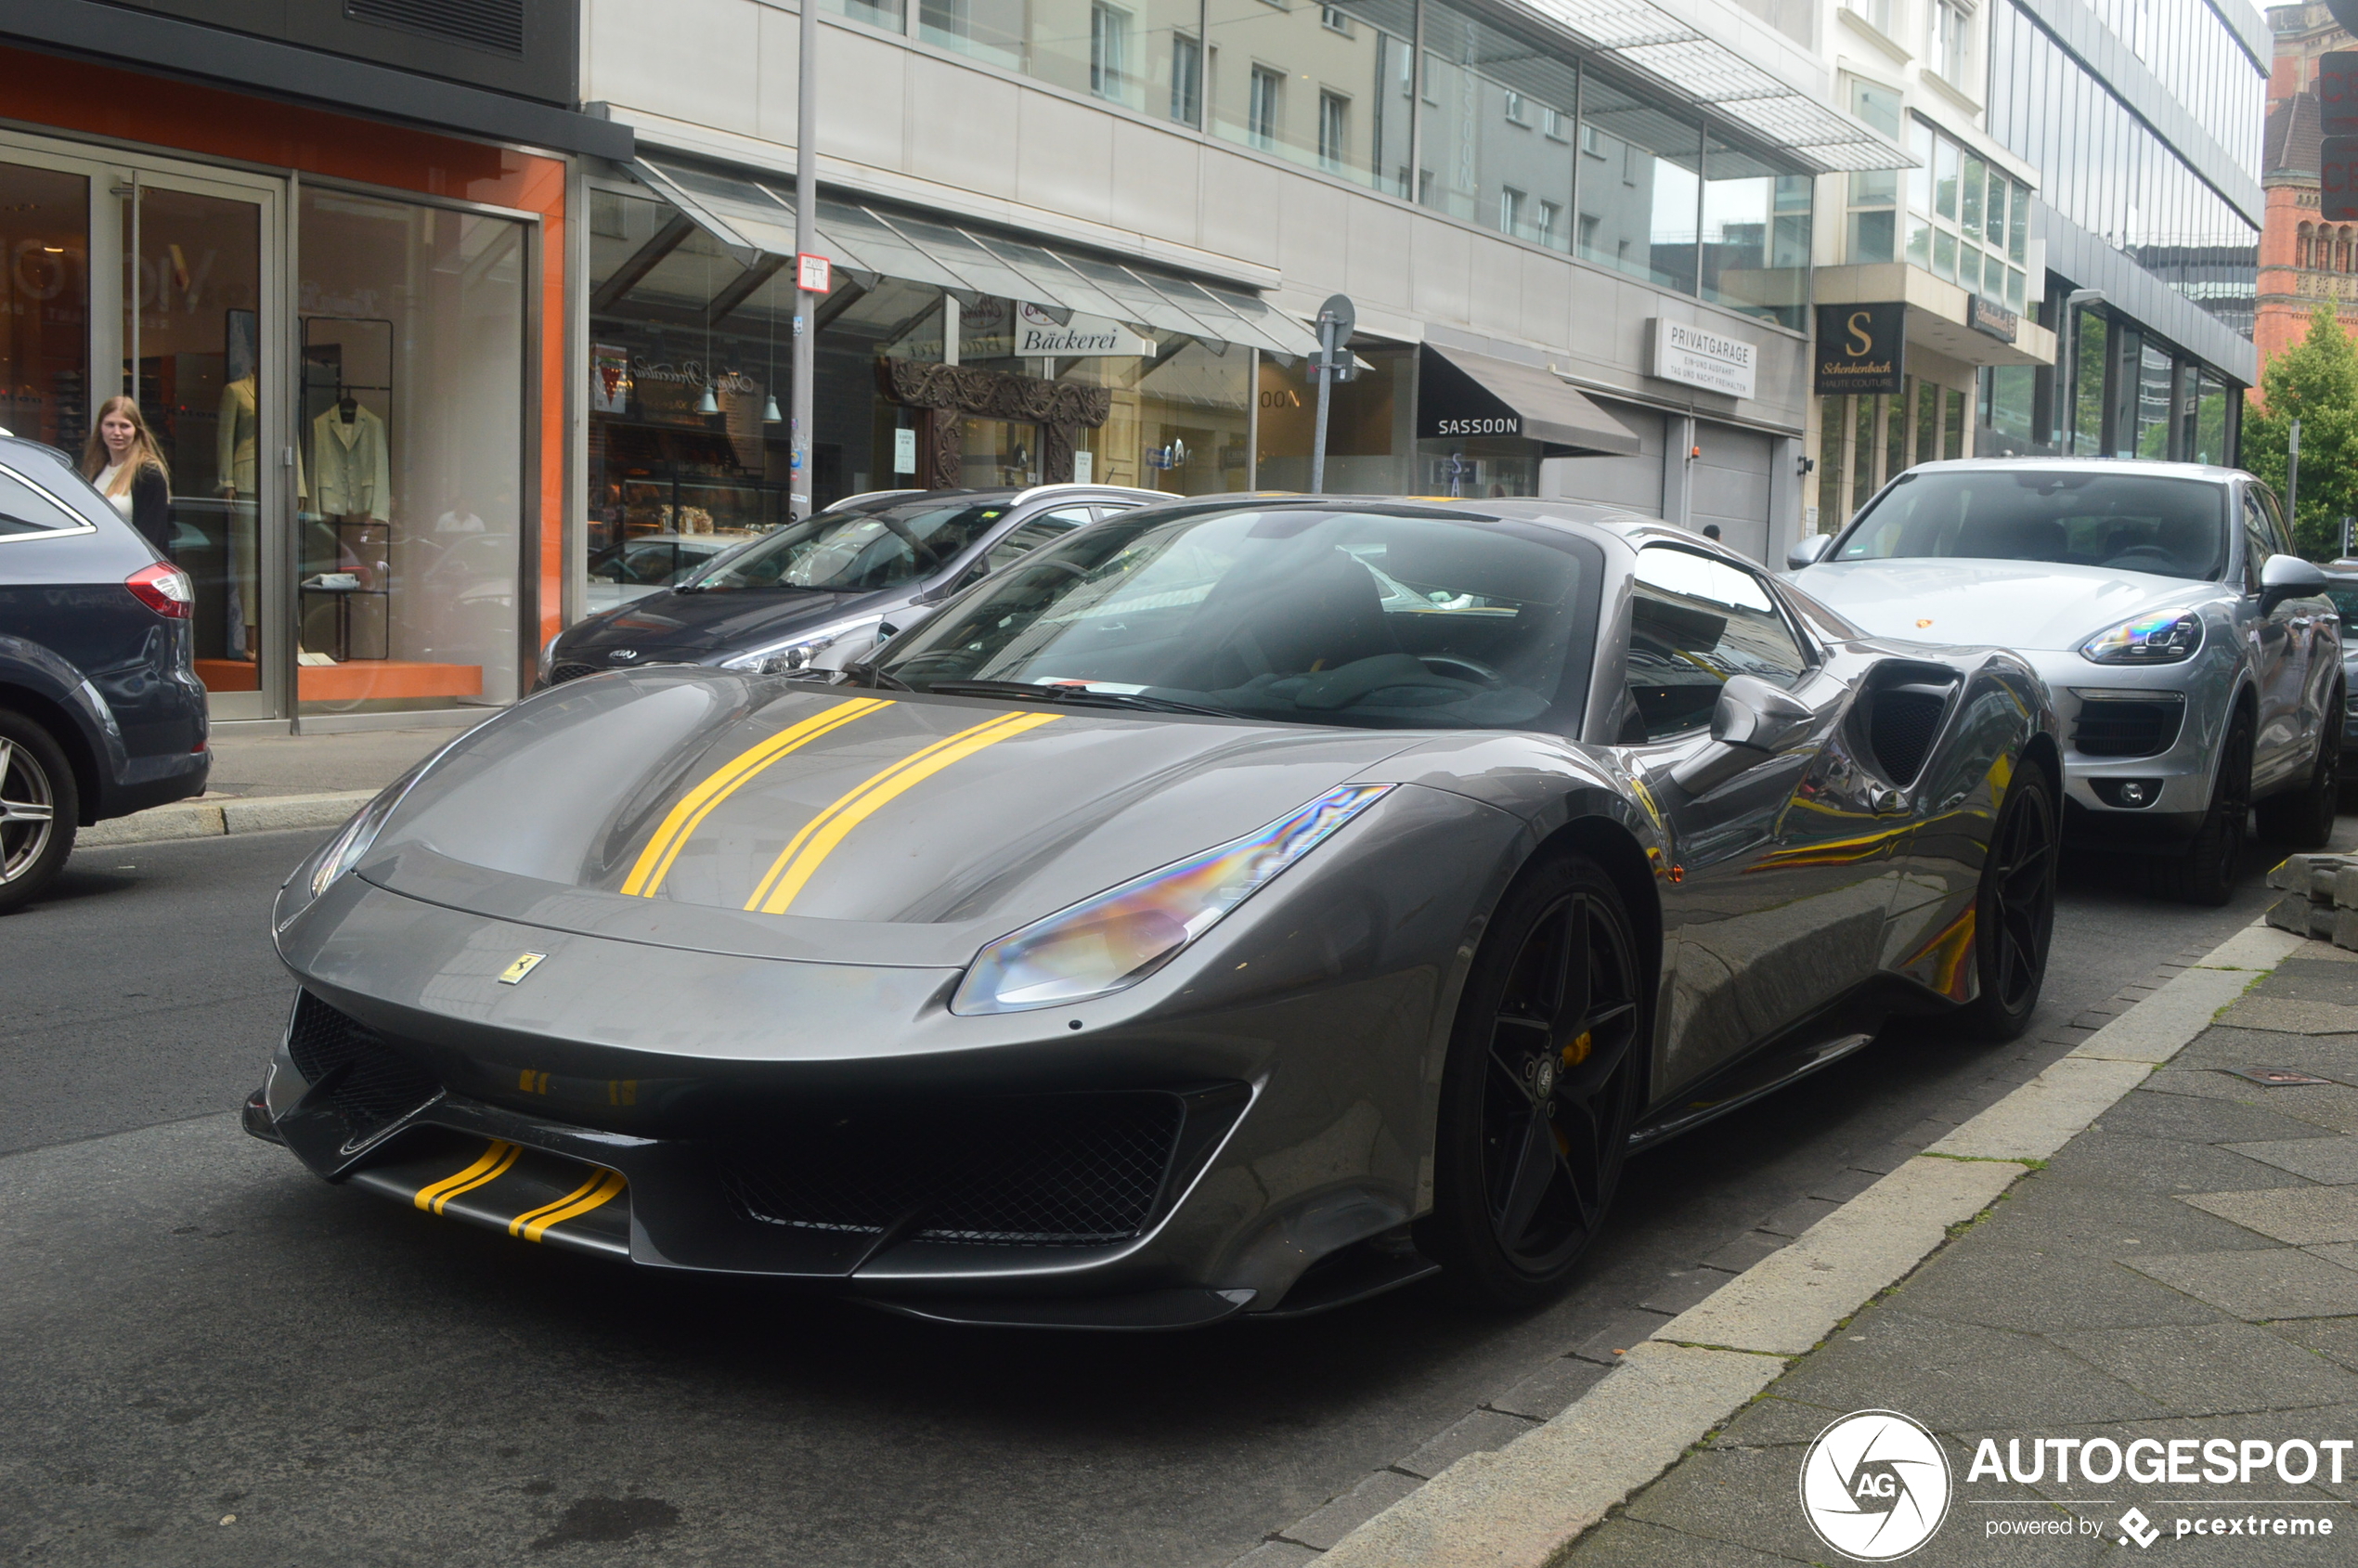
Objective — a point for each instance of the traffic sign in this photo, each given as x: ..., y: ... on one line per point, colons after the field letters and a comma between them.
x: 2338, y: 179
x: 2338, y: 92
x: 813, y: 274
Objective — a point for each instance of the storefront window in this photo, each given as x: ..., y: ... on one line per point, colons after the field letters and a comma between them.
x: 2210, y: 421
x: 2154, y: 374
x: 44, y: 314
x: 2087, y: 401
x: 410, y: 428
x: 1179, y: 420
x: 1370, y: 438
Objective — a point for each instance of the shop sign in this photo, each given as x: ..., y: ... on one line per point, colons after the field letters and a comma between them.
x: 904, y: 452
x: 1693, y: 356
x: 1084, y: 466
x: 1985, y: 316
x: 1081, y: 337
x: 1861, y: 348
x: 1452, y: 405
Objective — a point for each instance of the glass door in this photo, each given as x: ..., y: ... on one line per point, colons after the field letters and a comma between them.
x: 44, y: 302
x: 200, y: 351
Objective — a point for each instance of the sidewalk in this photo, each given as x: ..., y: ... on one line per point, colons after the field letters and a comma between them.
x: 274, y: 784
x: 2183, y: 1271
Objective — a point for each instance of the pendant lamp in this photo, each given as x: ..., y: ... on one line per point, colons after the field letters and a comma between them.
x: 710, y: 405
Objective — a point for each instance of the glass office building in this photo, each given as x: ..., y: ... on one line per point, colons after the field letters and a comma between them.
x: 2150, y: 215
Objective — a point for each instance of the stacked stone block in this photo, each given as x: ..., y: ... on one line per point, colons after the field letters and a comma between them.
x: 2320, y: 897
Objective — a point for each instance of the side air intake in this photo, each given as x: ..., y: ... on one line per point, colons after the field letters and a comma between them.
x: 1902, y: 721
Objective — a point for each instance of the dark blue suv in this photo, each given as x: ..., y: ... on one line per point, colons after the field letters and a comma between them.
x: 102, y: 713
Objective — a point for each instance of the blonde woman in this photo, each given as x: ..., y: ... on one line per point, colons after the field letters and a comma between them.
x: 122, y: 461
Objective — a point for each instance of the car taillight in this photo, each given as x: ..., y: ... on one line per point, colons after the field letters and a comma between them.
x: 164, y: 589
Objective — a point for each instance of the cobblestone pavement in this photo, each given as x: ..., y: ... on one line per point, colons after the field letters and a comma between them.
x: 2186, y: 1269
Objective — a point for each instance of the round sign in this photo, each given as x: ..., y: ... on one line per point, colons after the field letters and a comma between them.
x: 1876, y: 1485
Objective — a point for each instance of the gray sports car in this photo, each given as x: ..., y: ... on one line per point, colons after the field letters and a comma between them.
x: 1239, y: 906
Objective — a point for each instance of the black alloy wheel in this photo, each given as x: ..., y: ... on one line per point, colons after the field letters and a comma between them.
x: 38, y: 809
x: 2205, y: 872
x: 2304, y: 819
x: 2014, y: 909
x: 1542, y: 1084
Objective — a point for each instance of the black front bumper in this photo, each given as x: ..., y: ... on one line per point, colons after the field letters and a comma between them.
x: 2135, y: 832
x: 996, y: 1209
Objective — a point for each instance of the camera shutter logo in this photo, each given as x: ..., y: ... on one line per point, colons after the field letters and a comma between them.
x: 1876, y: 1485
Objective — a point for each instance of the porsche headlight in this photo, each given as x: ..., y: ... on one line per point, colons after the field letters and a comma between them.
x: 1124, y: 934
x: 796, y: 653
x: 345, y: 850
x: 2162, y: 638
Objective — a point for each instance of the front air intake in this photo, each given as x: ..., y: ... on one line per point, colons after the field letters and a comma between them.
x: 1902, y: 722
x: 370, y: 1085
x: 1036, y: 1171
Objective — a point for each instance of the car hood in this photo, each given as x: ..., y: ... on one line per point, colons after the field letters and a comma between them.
x: 2028, y: 604
x: 670, y: 625
x: 655, y: 806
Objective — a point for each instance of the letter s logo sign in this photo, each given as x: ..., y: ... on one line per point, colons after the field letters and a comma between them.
x: 1862, y: 342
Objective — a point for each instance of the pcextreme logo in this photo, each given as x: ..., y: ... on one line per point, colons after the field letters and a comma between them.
x: 1874, y: 1485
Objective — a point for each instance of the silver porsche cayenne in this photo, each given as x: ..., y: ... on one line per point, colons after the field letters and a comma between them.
x: 2195, y: 660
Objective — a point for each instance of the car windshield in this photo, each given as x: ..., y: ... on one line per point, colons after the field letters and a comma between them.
x: 856, y: 551
x: 2122, y: 520
x: 1369, y: 619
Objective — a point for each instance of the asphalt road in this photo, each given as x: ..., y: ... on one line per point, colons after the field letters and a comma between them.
x: 213, y: 1358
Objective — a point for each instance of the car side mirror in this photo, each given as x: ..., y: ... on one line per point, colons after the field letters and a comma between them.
x: 1752, y: 722
x: 2289, y: 576
x: 1806, y: 550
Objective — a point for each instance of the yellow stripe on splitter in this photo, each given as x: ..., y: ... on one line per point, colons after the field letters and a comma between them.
x: 655, y: 860
x: 489, y: 1166
x: 822, y: 833
x: 595, y: 1193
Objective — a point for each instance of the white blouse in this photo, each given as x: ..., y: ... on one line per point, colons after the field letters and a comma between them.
x: 105, y: 480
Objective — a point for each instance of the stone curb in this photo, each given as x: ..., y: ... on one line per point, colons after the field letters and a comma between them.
x: 1523, y: 1506
x: 211, y: 819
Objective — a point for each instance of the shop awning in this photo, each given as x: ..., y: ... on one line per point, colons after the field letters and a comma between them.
x: 751, y: 221
x: 1463, y: 393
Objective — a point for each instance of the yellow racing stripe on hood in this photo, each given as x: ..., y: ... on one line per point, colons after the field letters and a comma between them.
x: 655, y: 860
x: 808, y: 849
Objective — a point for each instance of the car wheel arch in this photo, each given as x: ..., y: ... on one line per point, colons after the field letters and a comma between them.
x: 54, y: 717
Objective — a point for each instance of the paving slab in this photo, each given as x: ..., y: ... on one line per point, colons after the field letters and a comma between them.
x: 2331, y: 1161
x: 2047, y: 1112
x: 2120, y: 1159
x: 2213, y: 1368
x: 2048, y: 1293
x: 2201, y: 1119
x: 2154, y: 1028
x: 2344, y: 1253
x: 2300, y: 1216
x: 2068, y: 1213
x: 2286, y: 1015
x: 1544, y: 1393
x: 2258, y: 1286
x: 1354, y: 1508
x: 1792, y: 1299
x: 2334, y: 1338
x: 1527, y: 1502
x: 2334, y: 1056
x: 1633, y: 1543
x: 1476, y: 1433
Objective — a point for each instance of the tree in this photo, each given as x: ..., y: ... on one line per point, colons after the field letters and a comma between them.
x: 2316, y: 380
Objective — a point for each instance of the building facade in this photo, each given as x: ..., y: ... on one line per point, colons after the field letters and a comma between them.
x: 326, y: 250
x: 1946, y: 247
x: 1082, y: 239
x: 2303, y: 262
x: 2146, y: 117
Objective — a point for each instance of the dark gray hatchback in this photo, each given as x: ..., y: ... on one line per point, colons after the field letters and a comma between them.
x: 102, y: 713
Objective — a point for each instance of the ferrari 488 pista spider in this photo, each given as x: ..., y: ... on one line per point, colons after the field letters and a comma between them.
x: 1238, y: 906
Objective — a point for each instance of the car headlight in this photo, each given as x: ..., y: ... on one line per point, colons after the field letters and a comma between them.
x: 1124, y: 934
x: 2164, y: 639
x: 796, y: 652
x: 345, y: 850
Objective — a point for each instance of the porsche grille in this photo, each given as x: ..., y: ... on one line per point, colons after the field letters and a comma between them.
x: 1055, y: 1170
x: 369, y: 1085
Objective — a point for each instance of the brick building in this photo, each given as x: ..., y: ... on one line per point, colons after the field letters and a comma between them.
x: 2302, y: 260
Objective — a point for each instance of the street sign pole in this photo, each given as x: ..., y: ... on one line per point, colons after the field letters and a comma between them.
x: 1336, y: 319
x: 806, y: 240
x: 2292, y: 474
